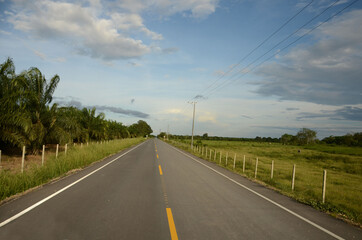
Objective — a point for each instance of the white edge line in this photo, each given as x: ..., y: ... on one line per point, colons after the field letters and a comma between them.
x: 265, y: 198
x: 61, y: 190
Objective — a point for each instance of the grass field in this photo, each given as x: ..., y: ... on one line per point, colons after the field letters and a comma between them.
x: 12, y: 181
x: 343, y: 165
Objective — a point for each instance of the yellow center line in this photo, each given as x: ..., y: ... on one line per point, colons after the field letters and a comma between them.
x: 171, y: 224
x: 157, y: 156
x: 159, y: 167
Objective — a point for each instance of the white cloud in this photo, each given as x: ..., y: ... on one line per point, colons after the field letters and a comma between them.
x: 5, y: 32
x: 327, y: 72
x: 101, y: 29
x: 39, y: 54
x: 193, y: 8
x: 132, y: 22
x: 206, y: 117
x: 90, y: 34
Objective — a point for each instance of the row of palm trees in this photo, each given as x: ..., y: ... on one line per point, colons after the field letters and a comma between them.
x: 28, y: 118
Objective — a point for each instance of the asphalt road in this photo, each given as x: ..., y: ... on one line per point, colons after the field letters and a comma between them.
x: 154, y: 191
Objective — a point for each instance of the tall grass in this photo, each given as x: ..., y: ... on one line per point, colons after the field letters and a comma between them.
x: 344, y: 173
x: 77, y: 157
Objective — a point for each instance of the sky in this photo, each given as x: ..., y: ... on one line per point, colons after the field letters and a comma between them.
x: 254, y: 67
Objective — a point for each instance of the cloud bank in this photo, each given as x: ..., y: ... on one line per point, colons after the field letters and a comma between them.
x: 70, y: 101
x: 100, y: 29
x: 327, y: 72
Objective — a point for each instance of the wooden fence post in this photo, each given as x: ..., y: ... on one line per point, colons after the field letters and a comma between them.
x: 256, y: 167
x: 215, y: 156
x: 244, y: 164
x: 56, y: 151
x: 226, y: 159
x: 234, y: 160
x: 42, y: 155
x: 324, y: 185
x: 220, y: 157
x: 293, y: 178
x: 22, y: 160
x: 272, y: 170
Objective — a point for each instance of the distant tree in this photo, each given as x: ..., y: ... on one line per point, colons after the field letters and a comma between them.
x: 205, y: 136
x: 306, y: 136
x: 161, y: 135
x: 287, y: 139
x: 140, y: 129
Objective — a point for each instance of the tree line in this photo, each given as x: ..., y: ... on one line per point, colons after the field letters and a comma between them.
x: 304, y: 136
x: 28, y: 118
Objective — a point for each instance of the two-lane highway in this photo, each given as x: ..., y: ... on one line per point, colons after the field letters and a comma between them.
x: 154, y: 191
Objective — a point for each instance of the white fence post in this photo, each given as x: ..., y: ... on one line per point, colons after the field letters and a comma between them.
x: 324, y: 185
x: 272, y: 170
x: 210, y: 154
x: 215, y: 156
x: 42, y: 155
x: 256, y: 167
x: 220, y: 157
x: 56, y: 151
x: 293, y: 177
x: 206, y: 152
x: 22, y: 160
x: 244, y: 164
x: 87, y: 144
x: 226, y: 158
x: 81, y: 145
x: 234, y: 160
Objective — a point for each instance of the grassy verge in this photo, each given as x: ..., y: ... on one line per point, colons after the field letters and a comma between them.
x: 344, y: 173
x: 12, y: 182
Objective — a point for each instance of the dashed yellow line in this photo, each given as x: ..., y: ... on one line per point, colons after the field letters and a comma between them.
x: 171, y: 224
x: 159, y: 168
x: 157, y: 156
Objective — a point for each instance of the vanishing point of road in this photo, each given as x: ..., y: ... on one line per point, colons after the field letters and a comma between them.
x: 155, y: 191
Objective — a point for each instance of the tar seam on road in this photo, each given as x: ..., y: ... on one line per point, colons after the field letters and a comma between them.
x: 62, y: 190
x: 265, y: 198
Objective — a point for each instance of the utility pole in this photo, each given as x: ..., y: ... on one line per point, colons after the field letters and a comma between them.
x: 193, y: 124
x: 168, y: 128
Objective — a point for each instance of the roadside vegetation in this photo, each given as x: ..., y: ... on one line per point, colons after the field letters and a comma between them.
x: 29, y: 118
x: 343, y: 164
x: 12, y: 181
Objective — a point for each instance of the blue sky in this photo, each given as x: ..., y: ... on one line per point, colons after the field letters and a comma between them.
x: 138, y: 59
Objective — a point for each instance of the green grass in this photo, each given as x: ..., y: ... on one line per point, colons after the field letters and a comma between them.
x: 344, y: 172
x: 354, y: 151
x: 77, y: 157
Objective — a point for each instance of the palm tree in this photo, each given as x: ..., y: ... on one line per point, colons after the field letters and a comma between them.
x: 38, y: 95
x: 14, y: 121
x: 94, y: 126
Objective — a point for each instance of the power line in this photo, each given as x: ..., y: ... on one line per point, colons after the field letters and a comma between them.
x: 284, y: 48
x: 221, y: 85
x: 257, y: 47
